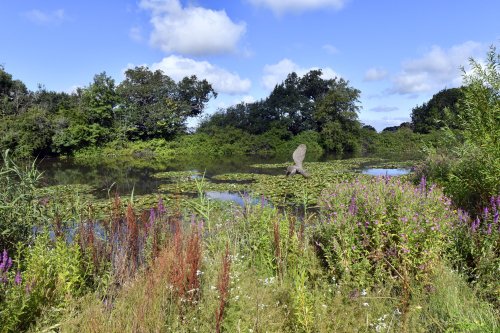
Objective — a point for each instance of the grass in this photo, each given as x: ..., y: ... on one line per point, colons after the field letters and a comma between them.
x: 375, y: 255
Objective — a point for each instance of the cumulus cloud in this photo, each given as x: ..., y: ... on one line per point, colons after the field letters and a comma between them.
x: 375, y: 74
x: 384, y: 108
x: 192, y: 30
x: 281, y: 6
x: 46, y: 17
x: 275, y: 74
x: 222, y: 80
x: 436, y: 69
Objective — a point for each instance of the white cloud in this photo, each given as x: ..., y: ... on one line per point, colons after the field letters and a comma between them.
x: 247, y: 99
x: 222, y: 80
x: 437, y: 69
x: 46, y: 17
x: 192, y: 30
x: 281, y: 6
x: 375, y: 74
x: 384, y: 108
x: 330, y: 49
x: 275, y: 74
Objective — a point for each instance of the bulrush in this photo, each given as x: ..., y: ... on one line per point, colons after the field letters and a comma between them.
x: 223, y: 288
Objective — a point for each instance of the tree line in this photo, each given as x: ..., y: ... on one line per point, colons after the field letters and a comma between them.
x: 149, y: 104
x: 145, y: 105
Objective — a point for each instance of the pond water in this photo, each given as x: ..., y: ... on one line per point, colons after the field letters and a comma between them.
x: 125, y: 177
x: 385, y: 172
x: 137, y: 176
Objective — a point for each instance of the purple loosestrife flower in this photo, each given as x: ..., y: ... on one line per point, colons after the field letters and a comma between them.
x: 18, y: 279
x: 485, y: 213
x: 495, y: 217
x: 475, y: 225
x: 353, y: 209
x: 5, y: 256
x: 161, y: 207
x: 152, y: 217
x: 489, y: 229
x: 493, y: 203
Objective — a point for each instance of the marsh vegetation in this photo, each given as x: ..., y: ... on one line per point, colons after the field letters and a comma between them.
x: 339, y: 251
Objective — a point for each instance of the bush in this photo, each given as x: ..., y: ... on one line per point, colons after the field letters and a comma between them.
x: 381, y: 231
x: 51, y: 278
x: 475, y: 249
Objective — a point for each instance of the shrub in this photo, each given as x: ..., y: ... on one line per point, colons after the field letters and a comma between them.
x: 382, y: 231
x: 51, y: 278
x: 475, y: 249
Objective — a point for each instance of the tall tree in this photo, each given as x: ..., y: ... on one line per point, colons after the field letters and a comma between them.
x: 440, y: 111
x: 98, y: 101
x: 337, y: 117
x: 153, y: 105
x: 14, y: 96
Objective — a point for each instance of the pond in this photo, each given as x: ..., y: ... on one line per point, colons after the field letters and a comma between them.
x: 226, y: 178
x: 125, y: 177
x: 385, y: 172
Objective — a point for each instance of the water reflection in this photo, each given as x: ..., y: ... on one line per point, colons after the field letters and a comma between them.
x: 240, y: 199
x: 127, y: 176
x: 385, y: 172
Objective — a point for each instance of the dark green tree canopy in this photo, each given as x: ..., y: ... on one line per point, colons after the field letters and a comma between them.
x: 153, y: 105
x: 441, y: 110
x: 299, y: 104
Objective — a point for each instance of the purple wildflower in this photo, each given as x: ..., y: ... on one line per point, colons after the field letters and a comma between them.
x: 18, y: 279
x: 475, y: 224
x: 495, y: 217
x: 423, y: 184
x: 485, y: 213
x: 489, y: 229
x: 161, y: 207
x: 152, y: 217
x: 353, y: 209
x: 5, y: 256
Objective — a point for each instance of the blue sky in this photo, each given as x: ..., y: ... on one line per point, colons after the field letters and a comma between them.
x: 398, y: 53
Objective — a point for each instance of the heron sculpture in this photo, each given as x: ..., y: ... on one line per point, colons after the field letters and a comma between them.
x: 298, y: 158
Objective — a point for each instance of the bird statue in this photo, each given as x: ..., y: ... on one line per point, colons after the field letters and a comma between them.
x: 298, y: 158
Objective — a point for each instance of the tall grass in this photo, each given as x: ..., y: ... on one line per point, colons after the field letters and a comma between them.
x: 18, y: 211
x: 376, y: 256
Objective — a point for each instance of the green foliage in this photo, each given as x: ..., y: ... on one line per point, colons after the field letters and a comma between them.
x: 297, y: 105
x: 154, y: 106
x: 18, y: 211
x: 51, y: 278
x: 469, y: 172
x: 382, y: 229
x: 474, y: 249
x: 79, y: 136
x: 442, y: 110
x: 14, y: 96
x: 481, y: 105
x: 99, y: 100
